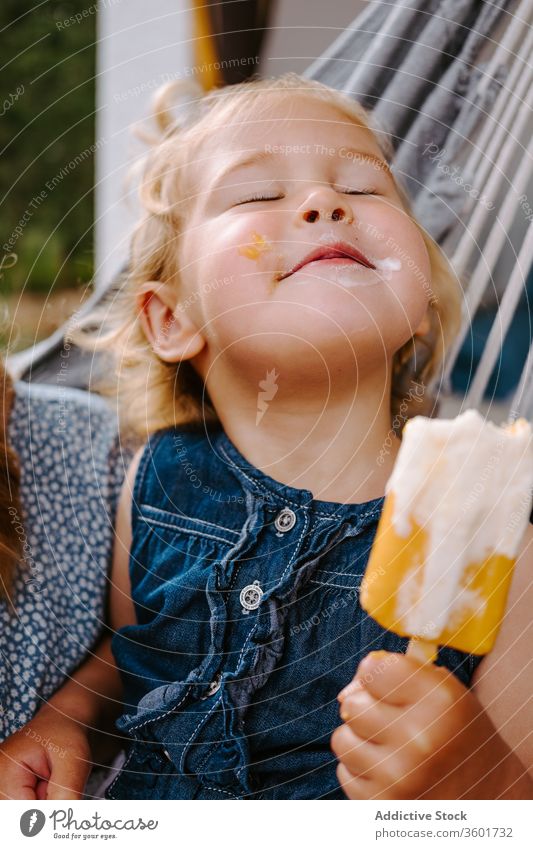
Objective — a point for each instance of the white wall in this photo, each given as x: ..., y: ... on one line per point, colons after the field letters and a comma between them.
x: 138, y: 43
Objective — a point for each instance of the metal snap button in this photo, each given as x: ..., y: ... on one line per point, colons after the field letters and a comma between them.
x: 285, y: 520
x: 251, y: 596
x: 213, y: 687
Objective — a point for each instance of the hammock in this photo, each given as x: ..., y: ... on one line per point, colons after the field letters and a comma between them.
x: 451, y: 82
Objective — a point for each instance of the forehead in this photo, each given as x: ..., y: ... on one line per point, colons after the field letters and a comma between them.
x: 279, y: 120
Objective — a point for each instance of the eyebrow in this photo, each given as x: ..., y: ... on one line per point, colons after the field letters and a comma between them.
x: 382, y: 164
x: 246, y: 162
x: 260, y: 156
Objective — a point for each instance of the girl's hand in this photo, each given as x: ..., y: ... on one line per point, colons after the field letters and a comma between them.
x: 415, y: 732
x: 49, y: 758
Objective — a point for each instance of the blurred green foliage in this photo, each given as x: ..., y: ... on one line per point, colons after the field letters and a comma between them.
x: 47, y: 143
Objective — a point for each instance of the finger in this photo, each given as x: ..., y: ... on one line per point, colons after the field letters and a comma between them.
x: 368, y: 718
x: 355, y: 686
x: 360, y: 756
x: 379, y: 767
x: 362, y: 788
x: 352, y: 785
x: 18, y: 780
x: 42, y: 789
x: 15, y: 758
x: 19, y: 794
x: 68, y: 778
x: 400, y: 680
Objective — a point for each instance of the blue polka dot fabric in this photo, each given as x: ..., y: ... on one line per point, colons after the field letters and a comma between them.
x: 72, y: 468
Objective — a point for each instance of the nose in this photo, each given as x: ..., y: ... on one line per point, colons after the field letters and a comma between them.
x: 324, y: 204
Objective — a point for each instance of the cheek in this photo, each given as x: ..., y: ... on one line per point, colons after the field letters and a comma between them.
x: 404, y: 259
x: 247, y: 244
x: 410, y: 249
x: 225, y: 267
x: 233, y: 310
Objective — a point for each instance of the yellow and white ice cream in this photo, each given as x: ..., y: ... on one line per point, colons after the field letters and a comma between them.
x: 457, y: 505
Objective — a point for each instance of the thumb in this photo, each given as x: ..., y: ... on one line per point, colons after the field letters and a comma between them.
x: 68, y: 777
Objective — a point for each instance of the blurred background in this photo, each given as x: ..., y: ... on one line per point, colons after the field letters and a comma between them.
x: 47, y: 134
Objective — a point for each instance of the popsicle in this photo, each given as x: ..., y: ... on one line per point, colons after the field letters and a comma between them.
x: 456, y: 507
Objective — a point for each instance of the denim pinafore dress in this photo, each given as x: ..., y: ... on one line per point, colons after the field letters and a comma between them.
x: 246, y: 592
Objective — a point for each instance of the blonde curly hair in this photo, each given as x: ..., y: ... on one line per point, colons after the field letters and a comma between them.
x: 155, y: 394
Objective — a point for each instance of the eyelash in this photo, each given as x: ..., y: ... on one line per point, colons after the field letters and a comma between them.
x: 356, y: 192
x: 256, y: 198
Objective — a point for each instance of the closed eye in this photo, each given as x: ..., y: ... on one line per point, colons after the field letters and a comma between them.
x: 346, y: 191
x: 255, y: 198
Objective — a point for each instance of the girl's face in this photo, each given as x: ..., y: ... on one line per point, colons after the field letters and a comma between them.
x: 297, y: 250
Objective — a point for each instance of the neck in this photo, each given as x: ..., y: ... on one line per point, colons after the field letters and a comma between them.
x: 340, y: 447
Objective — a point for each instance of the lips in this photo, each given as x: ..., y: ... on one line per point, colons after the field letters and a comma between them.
x: 339, y: 250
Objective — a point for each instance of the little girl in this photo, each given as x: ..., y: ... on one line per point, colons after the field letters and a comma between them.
x: 282, y: 310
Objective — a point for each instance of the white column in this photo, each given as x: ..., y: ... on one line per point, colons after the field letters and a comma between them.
x: 140, y: 45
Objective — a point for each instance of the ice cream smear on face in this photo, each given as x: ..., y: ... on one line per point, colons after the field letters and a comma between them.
x: 387, y: 266
x: 258, y: 245
x: 457, y: 504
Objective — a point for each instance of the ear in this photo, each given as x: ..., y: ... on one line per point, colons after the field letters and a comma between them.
x: 171, y: 333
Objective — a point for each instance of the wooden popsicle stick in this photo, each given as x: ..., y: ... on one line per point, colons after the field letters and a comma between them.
x: 422, y: 650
